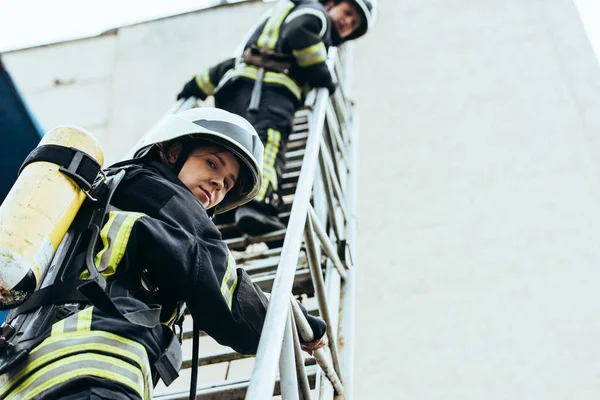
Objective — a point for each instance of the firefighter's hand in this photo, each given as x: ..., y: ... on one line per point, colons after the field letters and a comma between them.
x: 314, y: 345
x: 331, y: 88
x: 190, y: 89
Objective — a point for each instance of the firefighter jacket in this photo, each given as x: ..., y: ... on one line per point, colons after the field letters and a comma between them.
x: 158, y: 249
x: 301, y: 31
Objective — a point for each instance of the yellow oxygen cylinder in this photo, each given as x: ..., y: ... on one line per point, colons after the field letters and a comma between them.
x: 36, y: 214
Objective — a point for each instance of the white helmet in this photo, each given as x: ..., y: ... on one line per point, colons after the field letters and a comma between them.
x: 368, y: 13
x: 368, y: 9
x: 224, y: 129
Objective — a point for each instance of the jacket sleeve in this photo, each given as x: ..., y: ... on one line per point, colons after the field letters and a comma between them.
x: 303, y: 36
x: 173, y: 238
x: 230, y: 307
x: 208, y: 79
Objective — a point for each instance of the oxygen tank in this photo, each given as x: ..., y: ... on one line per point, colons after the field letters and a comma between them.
x: 36, y: 214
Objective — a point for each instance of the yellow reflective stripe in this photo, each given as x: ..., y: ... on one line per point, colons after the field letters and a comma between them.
x: 81, y: 321
x: 229, y: 280
x: 121, y: 243
x: 105, y: 240
x: 80, y: 365
x: 270, y: 34
x: 251, y: 72
x: 283, y: 79
x: 176, y: 313
x: 269, y: 172
x: 84, y: 320
x: 58, y: 327
x: 57, y: 347
x: 115, y: 236
x: 315, y: 54
x: 204, y: 83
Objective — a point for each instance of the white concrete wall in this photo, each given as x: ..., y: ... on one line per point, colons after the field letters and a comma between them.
x: 119, y: 84
x: 479, y: 181
x: 479, y: 211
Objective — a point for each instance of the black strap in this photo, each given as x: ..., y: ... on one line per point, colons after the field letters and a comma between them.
x: 74, y: 163
x: 57, y: 293
x: 148, y: 318
x: 195, y: 351
x: 169, y: 362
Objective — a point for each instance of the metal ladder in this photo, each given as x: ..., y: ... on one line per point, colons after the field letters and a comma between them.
x: 314, y: 265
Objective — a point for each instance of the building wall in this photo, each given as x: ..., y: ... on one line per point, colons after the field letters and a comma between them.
x: 478, y: 190
x: 478, y: 206
x: 119, y: 84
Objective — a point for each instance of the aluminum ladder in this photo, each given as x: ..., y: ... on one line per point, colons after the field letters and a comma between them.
x: 314, y: 265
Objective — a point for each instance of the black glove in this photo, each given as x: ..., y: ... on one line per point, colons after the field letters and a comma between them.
x: 331, y: 87
x: 191, y: 89
x: 318, y: 326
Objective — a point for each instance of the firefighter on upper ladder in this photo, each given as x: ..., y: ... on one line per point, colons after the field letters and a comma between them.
x: 283, y: 58
x: 103, y: 326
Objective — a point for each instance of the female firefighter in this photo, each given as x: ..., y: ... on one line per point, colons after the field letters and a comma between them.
x: 159, y: 249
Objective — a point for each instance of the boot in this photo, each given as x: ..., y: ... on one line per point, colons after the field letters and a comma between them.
x: 254, y: 222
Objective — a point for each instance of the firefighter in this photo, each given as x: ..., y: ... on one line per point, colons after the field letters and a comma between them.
x: 157, y: 250
x: 285, y: 56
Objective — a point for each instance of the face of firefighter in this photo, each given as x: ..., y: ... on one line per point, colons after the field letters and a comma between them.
x: 345, y: 17
x: 209, y: 172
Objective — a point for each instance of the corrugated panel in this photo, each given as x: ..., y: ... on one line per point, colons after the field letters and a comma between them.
x: 19, y: 132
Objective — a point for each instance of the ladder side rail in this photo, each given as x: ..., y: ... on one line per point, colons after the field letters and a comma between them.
x: 329, y: 195
x: 303, y: 383
x: 322, y: 356
x: 348, y: 289
x: 288, y: 377
x: 269, y: 349
x: 333, y: 284
x: 319, y: 284
x: 331, y: 141
x: 328, y: 248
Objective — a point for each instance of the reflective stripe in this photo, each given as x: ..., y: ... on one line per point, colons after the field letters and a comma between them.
x: 269, y: 172
x: 81, y: 365
x: 204, y: 83
x: 179, y: 310
x: 106, y: 240
x: 315, y: 54
x: 115, y: 236
x: 58, y: 347
x: 58, y: 327
x: 310, y: 11
x: 270, y: 34
x: 81, y: 321
x: 229, y: 280
x: 251, y: 72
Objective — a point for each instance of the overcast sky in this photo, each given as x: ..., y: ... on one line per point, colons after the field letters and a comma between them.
x: 25, y: 23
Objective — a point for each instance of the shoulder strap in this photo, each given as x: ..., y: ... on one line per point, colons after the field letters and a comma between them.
x: 74, y: 163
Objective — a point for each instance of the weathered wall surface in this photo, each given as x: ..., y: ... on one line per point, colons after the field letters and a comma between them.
x: 119, y: 84
x: 479, y: 212
x: 479, y: 171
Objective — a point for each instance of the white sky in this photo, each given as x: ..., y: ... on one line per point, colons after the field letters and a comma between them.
x: 589, y: 11
x: 25, y: 23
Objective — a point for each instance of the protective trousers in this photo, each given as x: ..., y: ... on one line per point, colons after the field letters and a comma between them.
x: 273, y: 123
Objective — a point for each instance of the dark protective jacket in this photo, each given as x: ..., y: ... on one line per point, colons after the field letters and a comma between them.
x: 302, y: 31
x: 172, y: 237
x: 158, y: 247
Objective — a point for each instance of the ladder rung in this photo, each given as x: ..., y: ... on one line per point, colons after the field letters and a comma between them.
x: 230, y: 390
